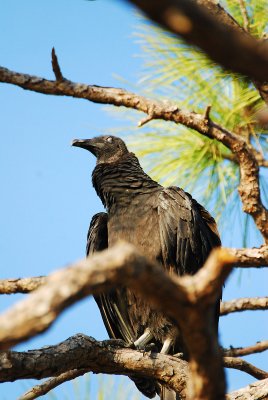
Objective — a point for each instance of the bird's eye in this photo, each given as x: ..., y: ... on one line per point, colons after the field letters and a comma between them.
x: 109, y: 139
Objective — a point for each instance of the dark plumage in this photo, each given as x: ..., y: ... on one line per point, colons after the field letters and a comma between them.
x: 165, y: 224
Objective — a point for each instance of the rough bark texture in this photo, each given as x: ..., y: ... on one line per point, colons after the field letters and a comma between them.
x: 255, y: 391
x: 24, y: 285
x: 242, y: 365
x: 82, y: 352
x: 243, y: 304
x: 188, y: 300
x: 255, y: 257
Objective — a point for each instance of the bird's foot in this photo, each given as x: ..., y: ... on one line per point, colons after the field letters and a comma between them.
x: 150, y: 348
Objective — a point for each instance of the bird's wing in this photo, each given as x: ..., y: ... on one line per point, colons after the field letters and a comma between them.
x: 187, y: 231
x: 112, y: 305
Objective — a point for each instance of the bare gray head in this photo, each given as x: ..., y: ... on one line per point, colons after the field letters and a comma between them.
x: 107, y: 149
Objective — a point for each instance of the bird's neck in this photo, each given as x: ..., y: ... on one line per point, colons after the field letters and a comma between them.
x: 119, y: 182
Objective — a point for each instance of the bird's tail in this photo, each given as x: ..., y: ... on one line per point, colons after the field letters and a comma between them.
x: 148, y: 387
x: 168, y: 394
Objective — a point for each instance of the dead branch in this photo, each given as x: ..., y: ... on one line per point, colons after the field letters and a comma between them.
x: 249, y: 189
x: 244, y: 351
x: 255, y: 391
x: 21, y: 285
x: 247, y: 257
x: 56, y: 66
x: 83, y: 352
x: 45, y: 387
x: 254, y: 257
x: 244, y: 304
x: 242, y: 365
x: 123, y: 265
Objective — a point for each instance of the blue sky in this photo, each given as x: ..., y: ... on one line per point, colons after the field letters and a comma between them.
x: 47, y: 199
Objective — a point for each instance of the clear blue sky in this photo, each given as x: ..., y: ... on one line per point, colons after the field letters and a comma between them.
x: 47, y: 199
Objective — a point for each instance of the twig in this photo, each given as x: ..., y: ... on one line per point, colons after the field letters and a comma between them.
x: 45, y: 387
x: 207, y: 113
x: 242, y: 365
x: 144, y: 121
x: 244, y: 304
x: 244, y: 351
x: 55, y: 66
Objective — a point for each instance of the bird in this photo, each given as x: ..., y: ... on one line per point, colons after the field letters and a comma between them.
x: 165, y: 224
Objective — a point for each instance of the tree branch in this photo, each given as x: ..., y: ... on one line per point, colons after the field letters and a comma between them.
x: 121, y: 264
x: 228, y: 46
x: 249, y: 171
x: 255, y: 391
x: 56, y: 66
x: 244, y: 304
x: 45, y: 387
x: 247, y: 257
x: 190, y: 301
x: 244, y: 351
x: 21, y: 285
x: 250, y: 257
x: 80, y: 354
x: 242, y: 365
x: 83, y: 352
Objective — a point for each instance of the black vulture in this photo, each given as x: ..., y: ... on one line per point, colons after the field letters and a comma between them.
x: 165, y: 224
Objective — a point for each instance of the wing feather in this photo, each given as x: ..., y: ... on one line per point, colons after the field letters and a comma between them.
x: 187, y: 231
x: 112, y: 305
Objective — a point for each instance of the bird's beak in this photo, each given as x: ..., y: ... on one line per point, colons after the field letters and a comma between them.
x: 87, y: 144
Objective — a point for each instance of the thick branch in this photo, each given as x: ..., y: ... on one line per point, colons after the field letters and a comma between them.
x: 247, y: 257
x: 255, y: 391
x: 244, y: 304
x: 83, y: 352
x: 119, y: 265
x: 216, y: 10
x: 244, y: 351
x: 249, y: 183
x: 226, y: 45
x: 255, y: 257
x: 190, y: 301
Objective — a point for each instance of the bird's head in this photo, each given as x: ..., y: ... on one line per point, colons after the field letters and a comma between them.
x: 107, y: 149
